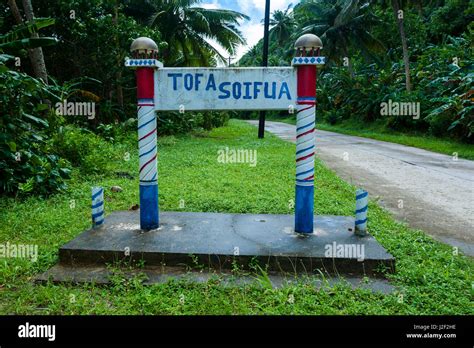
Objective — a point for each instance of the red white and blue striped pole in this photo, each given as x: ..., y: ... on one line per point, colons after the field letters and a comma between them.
x: 306, y: 61
x: 144, y: 51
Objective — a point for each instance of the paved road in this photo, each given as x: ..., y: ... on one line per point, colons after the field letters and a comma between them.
x: 429, y: 191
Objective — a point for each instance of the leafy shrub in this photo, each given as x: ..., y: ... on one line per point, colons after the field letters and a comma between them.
x: 175, y: 122
x: 449, y: 84
x: 107, y: 131
x: 442, y: 87
x: 27, y: 161
x: 82, y: 149
x: 169, y: 123
x: 214, y: 119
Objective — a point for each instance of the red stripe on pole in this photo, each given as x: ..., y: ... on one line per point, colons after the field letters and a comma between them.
x: 307, y: 156
x: 307, y: 132
x: 143, y: 137
x: 145, y: 83
x: 301, y: 110
x: 312, y: 103
x: 151, y: 160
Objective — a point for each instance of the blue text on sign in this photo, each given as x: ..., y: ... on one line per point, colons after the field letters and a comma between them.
x: 235, y: 90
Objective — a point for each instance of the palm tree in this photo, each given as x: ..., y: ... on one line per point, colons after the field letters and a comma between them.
x: 191, y: 32
x: 282, y: 25
x: 19, y: 37
x: 35, y: 54
x: 401, y: 30
x: 341, y: 25
x: 253, y: 56
x: 396, y: 6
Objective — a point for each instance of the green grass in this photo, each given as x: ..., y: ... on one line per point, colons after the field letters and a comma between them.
x: 375, y: 131
x: 430, y: 278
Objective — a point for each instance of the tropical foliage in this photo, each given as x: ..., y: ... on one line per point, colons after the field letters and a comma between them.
x: 84, y: 44
x: 28, y: 163
x: 73, y: 50
x: 368, y: 65
x: 195, y: 30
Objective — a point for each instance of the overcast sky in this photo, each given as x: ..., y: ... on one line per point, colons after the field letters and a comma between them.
x: 255, y: 9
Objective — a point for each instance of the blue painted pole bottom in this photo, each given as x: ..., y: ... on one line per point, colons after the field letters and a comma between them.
x: 149, y: 217
x: 304, y: 209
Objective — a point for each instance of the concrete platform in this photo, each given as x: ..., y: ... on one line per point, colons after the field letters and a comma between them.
x: 219, y: 240
x: 102, y: 275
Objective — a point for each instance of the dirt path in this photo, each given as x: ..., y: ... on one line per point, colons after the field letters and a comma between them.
x: 429, y: 191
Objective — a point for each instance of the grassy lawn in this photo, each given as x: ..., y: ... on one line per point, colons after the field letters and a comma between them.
x: 430, y: 278
x: 373, y: 131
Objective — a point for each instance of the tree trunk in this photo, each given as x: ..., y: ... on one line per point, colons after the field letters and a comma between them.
x: 15, y: 11
x: 36, y: 54
x: 118, y: 75
x: 419, y: 4
x: 419, y: 7
x: 406, y: 61
x: 349, y: 63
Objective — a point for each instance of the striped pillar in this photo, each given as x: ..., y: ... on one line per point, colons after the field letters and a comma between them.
x: 97, y: 206
x: 362, y: 203
x: 306, y: 62
x: 305, y: 147
x: 144, y: 59
x: 147, y: 149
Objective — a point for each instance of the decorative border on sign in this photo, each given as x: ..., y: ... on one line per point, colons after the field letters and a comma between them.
x: 136, y: 63
x: 308, y: 61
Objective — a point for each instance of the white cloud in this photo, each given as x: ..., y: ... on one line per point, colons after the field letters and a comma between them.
x: 260, y: 4
x: 245, y: 6
x: 252, y: 32
x: 274, y: 4
x: 214, y: 4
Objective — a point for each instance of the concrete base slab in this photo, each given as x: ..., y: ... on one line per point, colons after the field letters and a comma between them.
x: 222, y: 241
x: 101, y: 275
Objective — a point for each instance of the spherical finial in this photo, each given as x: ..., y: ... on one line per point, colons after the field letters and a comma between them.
x: 308, y: 42
x: 144, y: 47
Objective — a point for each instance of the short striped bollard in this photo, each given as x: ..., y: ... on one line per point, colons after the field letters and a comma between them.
x: 97, y: 206
x: 362, y: 203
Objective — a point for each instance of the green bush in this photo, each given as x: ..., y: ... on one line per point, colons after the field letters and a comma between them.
x: 214, y: 119
x: 27, y: 161
x: 82, y: 149
x: 442, y: 88
x: 449, y: 84
x: 169, y: 123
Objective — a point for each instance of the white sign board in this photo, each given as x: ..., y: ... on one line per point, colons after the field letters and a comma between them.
x: 225, y: 89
